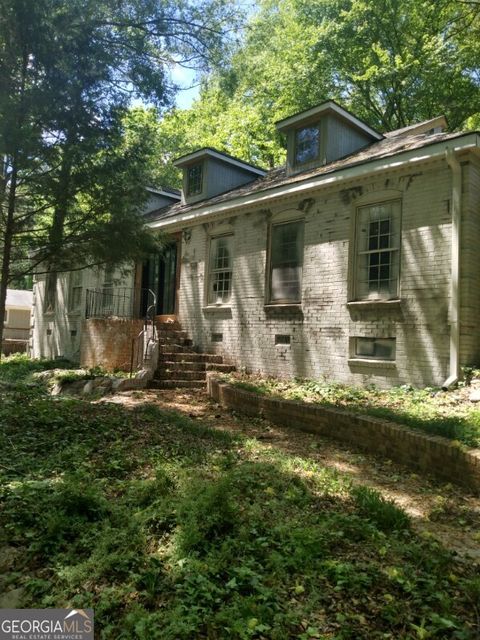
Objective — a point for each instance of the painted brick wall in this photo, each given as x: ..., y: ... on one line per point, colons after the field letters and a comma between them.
x: 58, y: 334
x: 322, y: 328
x: 107, y: 342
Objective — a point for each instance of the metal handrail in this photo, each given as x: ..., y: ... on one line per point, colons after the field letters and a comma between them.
x: 149, y: 320
x: 118, y: 302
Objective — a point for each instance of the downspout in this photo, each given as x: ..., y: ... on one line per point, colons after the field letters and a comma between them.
x: 456, y: 201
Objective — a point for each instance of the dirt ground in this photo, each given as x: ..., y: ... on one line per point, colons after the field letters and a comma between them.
x: 444, y: 511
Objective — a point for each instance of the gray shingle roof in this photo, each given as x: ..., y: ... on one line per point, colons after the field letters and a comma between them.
x: 389, y: 146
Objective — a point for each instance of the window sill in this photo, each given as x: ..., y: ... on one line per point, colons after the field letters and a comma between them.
x: 361, y: 304
x: 217, y: 307
x: 365, y: 362
x: 283, y: 305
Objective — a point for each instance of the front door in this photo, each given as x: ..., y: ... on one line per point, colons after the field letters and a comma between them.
x: 160, y: 275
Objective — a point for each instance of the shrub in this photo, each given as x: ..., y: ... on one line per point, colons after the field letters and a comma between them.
x: 382, y: 512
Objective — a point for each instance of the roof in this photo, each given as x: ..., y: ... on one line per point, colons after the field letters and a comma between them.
x: 19, y: 298
x: 383, y: 149
x: 206, y: 152
x: 440, y: 122
x: 330, y: 106
x: 169, y: 192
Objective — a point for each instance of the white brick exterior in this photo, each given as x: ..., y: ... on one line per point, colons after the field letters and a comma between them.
x: 321, y: 329
x: 58, y: 334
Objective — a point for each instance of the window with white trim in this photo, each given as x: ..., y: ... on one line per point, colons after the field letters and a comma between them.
x: 286, y: 262
x: 75, y: 291
x: 221, y: 269
x: 107, y: 290
x: 195, y: 179
x: 378, y: 251
x: 374, y: 348
x: 307, y: 144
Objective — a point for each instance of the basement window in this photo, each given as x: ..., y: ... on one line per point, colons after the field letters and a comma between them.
x: 374, y: 348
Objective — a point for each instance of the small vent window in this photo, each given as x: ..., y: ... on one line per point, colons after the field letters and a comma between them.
x: 217, y: 337
x: 375, y: 348
x: 281, y: 338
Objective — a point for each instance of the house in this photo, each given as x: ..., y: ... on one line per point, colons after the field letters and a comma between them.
x: 18, y: 311
x: 356, y: 261
x: 58, y: 316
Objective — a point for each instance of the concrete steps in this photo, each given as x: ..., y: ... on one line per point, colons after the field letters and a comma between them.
x: 179, y: 365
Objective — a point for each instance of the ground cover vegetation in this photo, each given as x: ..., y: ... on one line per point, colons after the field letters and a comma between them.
x: 171, y: 528
x: 444, y: 413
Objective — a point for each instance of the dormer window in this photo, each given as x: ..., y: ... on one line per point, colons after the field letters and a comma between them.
x: 307, y: 144
x: 322, y: 135
x: 207, y: 173
x: 195, y: 179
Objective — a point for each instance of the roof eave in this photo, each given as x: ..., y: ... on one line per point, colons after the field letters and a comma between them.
x: 206, y: 152
x: 470, y: 141
x: 328, y: 107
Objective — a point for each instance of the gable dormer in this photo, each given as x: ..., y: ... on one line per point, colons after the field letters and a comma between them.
x: 322, y: 135
x: 208, y: 173
x: 161, y: 197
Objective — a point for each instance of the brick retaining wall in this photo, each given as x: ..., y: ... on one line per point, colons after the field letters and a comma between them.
x: 422, y: 452
x: 107, y: 342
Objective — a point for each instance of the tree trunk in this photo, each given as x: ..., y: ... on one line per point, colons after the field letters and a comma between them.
x: 7, y: 248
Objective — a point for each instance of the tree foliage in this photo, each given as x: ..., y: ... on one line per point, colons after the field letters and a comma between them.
x: 392, y: 62
x: 75, y: 160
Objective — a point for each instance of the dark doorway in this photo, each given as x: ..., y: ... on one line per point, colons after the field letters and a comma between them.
x: 160, y: 275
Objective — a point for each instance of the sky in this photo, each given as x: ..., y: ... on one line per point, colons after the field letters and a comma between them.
x: 189, y: 87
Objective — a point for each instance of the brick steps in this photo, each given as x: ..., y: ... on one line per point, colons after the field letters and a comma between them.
x: 188, y: 365
x: 177, y: 384
x: 179, y: 366
x: 189, y: 356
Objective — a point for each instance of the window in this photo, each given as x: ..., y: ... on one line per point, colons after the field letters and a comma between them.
x: 107, y: 301
x: 307, y: 144
x: 194, y: 179
x: 375, y: 348
x: 6, y: 318
x: 74, y: 291
x: 220, y: 276
x: 378, y: 251
x: 286, y: 262
x: 50, y: 292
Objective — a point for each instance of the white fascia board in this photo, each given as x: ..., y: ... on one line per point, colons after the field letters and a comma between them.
x: 203, y: 153
x: 167, y: 194
x: 261, y: 198
x: 325, y: 107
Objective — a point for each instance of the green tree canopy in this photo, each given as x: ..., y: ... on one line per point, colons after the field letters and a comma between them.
x: 74, y: 160
x: 392, y: 62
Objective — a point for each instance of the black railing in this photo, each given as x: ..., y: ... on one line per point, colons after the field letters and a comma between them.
x: 123, y: 302
x: 120, y: 302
